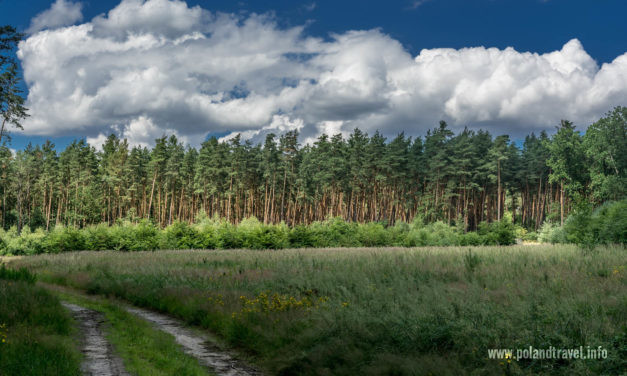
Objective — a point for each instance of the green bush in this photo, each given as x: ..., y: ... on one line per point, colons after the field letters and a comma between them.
x: 334, y: 232
x: 530, y: 236
x: 605, y: 225
x: 301, y: 236
x: 255, y: 235
x: 26, y: 243
x: 180, y: 235
x: 99, y: 237
x: 373, y: 235
x: 216, y: 233
x: 398, y: 233
x: 471, y: 238
x: 552, y: 233
x: 228, y: 237
x: 433, y: 234
x: 611, y: 221
x: 64, y: 239
x: 206, y: 229
x: 417, y: 238
x: 139, y: 237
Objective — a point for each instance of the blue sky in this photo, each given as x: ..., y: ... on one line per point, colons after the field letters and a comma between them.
x: 538, y: 26
x: 527, y: 25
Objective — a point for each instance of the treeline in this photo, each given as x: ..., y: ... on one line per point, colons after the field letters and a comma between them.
x: 461, y: 179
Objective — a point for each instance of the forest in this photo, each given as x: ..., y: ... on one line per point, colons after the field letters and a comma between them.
x: 462, y: 179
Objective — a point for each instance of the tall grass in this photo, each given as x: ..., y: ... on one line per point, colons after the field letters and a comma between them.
x: 35, y: 330
x: 378, y: 311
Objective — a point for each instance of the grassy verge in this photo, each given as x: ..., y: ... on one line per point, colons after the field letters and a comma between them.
x: 379, y: 311
x: 145, y: 350
x: 36, y: 332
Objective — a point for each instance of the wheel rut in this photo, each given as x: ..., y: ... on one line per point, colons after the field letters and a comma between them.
x: 100, y: 359
x: 196, y: 345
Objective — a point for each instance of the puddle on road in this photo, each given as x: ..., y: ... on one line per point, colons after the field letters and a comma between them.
x: 195, y: 345
x: 99, y: 356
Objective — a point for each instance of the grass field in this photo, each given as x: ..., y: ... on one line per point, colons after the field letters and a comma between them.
x: 377, y: 311
x: 37, y: 335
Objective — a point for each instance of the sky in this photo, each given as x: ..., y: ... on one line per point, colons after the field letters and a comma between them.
x: 144, y: 68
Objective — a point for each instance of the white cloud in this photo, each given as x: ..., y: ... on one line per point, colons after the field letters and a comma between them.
x: 159, y: 66
x: 416, y: 3
x: 61, y: 13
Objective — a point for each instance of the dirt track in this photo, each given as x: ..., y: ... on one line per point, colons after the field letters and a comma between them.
x: 99, y: 356
x: 196, y: 345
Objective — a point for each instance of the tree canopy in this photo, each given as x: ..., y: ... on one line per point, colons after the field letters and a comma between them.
x: 12, y: 110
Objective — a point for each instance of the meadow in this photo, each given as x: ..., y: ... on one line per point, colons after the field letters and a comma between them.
x: 36, y: 332
x: 373, y: 311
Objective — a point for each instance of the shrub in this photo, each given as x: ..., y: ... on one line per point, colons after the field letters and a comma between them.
x: 228, y: 237
x: 531, y: 236
x: 417, y: 238
x: 372, y: 235
x: 26, y: 243
x: 99, y: 237
x: 433, y: 234
x: 180, y: 235
x: 551, y: 233
x: 301, y: 237
x: 471, y: 238
x: 206, y: 229
x: 581, y: 229
x: 398, y: 233
x: 215, y: 233
x: 442, y: 234
x: 605, y: 225
x: 65, y: 239
x: 268, y: 237
x: 611, y: 221
x: 139, y: 237
x: 334, y: 232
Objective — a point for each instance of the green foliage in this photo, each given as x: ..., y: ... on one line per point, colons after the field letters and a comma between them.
x: 611, y: 219
x: 552, y: 233
x: 391, y: 311
x: 64, y: 239
x: 301, y: 237
x: 180, y: 235
x: 498, y: 233
x: 606, y: 143
x: 144, y: 349
x: 21, y: 274
x: 26, y: 243
x: 35, y: 330
x: 12, y: 110
x: 471, y: 238
x: 99, y: 237
x: 136, y: 237
x: 605, y: 225
x: 373, y: 235
x: 433, y: 234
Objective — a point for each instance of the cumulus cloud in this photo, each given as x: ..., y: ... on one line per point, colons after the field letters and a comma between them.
x: 61, y: 13
x: 154, y: 67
